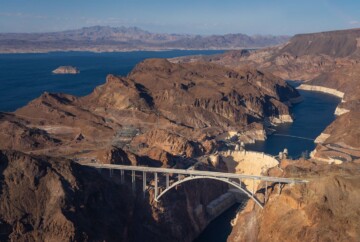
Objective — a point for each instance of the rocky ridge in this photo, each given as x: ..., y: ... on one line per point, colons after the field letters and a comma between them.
x: 110, y: 39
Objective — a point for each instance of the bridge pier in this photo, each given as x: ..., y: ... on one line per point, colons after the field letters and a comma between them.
x: 111, y: 172
x: 167, y: 180
x: 253, y: 187
x: 144, y: 183
x: 266, y: 187
x: 279, y: 188
x: 156, y: 185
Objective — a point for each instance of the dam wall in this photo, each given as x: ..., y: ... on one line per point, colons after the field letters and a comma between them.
x: 241, y: 162
x: 248, y: 162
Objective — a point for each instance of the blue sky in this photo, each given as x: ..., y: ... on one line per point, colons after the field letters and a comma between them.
x: 182, y: 16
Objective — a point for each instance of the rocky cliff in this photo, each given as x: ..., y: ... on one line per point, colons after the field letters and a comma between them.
x: 325, y: 209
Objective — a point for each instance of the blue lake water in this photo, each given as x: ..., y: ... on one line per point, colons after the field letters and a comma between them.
x: 24, y: 77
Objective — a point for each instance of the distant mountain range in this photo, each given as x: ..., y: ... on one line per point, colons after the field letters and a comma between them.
x: 105, y: 39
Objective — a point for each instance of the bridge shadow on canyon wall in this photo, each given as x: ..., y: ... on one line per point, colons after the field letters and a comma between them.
x: 180, y: 215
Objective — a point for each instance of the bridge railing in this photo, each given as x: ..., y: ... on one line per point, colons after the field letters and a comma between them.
x: 236, y: 180
x: 196, y: 172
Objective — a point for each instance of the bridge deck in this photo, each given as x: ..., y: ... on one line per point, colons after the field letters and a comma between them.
x: 195, y: 173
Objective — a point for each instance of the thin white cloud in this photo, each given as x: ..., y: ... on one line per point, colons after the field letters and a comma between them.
x: 22, y: 15
x: 354, y: 22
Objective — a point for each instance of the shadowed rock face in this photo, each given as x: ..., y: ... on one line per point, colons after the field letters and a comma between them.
x: 51, y: 199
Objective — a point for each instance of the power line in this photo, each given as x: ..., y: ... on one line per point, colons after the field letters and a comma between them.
x: 293, y: 136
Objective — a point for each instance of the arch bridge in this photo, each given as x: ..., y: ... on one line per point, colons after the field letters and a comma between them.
x: 175, y: 177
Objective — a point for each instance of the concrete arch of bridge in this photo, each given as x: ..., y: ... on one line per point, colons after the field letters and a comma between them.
x: 234, y: 184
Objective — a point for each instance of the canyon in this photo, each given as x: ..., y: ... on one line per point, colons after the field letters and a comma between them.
x: 188, y: 112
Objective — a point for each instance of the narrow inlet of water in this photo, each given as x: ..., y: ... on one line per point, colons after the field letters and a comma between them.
x: 311, y: 116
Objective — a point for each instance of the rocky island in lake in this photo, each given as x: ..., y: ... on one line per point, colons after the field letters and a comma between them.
x: 66, y: 70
